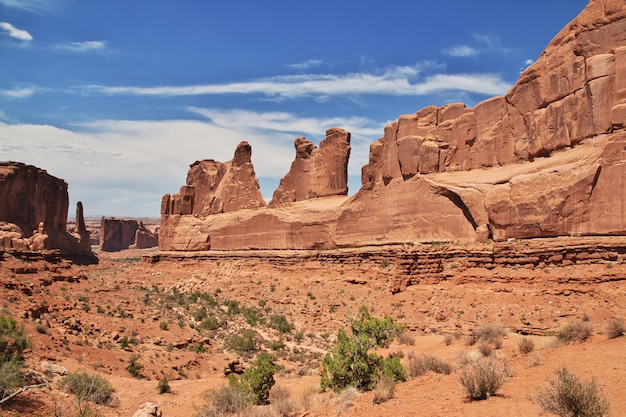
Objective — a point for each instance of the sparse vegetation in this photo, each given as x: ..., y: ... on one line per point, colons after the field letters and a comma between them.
x: 13, y: 342
x: 164, y: 384
x: 428, y: 363
x: 568, y: 396
x: 615, y: 328
x: 482, y: 379
x: 383, y: 389
x: 351, y: 363
x: 134, y: 367
x: 577, y: 331
x: 88, y: 387
x: 525, y: 345
x: 491, y: 335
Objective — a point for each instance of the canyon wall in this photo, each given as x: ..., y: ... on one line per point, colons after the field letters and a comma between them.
x: 547, y: 159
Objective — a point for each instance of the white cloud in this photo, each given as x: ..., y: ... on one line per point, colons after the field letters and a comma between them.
x: 84, y: 46
x: 15, y: 32
x: 306, y: 64
x: 461, y: 51
x: 34, y: 6
x: 18, y: 92
x: 137, y: 162
x: 393, y: 81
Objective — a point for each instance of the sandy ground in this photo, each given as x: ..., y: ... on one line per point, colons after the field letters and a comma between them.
x: 118, y: 297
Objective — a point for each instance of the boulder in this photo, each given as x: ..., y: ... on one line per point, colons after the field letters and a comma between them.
x: 148, y: 409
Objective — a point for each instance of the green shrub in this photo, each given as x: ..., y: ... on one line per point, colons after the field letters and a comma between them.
x: 280, y: 323
x: 88, y: 387
x: 210, y: 323
x: 428, y: 363
x: 164, y: 384
x: 243, y: 343
x: 259, y: 377
x: 251, y: 315
x: 350, y: 363
x: 393, y: 369
x: 482, y: 379
x: 11, y: 377
x: 615, y: 328
x: 568, y: 396
x: 134, y: 367
x: 577, y: 331
x: 13, y: 340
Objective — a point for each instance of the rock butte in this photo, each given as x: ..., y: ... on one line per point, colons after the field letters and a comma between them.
x: 547, y: 159
x: 34, y: 216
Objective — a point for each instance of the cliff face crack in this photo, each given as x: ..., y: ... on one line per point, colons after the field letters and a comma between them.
x: 596, y: 177
x: 458, y: 201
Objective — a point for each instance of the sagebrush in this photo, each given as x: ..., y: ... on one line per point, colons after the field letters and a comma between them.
x: 568, y: 396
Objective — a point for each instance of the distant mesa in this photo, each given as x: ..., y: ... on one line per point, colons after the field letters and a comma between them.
x: 120, y: 234
x: 547, y: 159
x: 33, y: 212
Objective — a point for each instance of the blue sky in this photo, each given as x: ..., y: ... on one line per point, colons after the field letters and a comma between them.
x: 118, y: 97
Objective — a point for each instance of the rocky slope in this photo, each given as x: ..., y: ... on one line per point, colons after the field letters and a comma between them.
x: 547, y: 159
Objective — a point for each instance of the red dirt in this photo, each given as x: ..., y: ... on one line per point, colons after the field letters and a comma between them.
x: 314, y: 294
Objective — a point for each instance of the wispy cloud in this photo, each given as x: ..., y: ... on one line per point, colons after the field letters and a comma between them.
x: 85, y: 46
x: 311, y: 63
x: 16, y: 33
x: 18, y: 92
x: 393, y: 81
x: 105, y: 160
x: 34, y: 6
x: 461, y: 51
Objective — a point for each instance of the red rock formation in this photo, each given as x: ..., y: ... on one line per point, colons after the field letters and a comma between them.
x: 546, y: 159
x: 33, y: 210
x: 82, y: 234
x: 117, y: 234
x: 316, y: 172
x: 145, y: 238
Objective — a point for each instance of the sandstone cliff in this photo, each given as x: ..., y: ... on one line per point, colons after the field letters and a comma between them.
x: 546, y: 159
x: 316, y: 172
x: 33, y: 210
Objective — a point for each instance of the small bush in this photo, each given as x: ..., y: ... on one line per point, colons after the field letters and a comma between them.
x: 525, y: 345
x: 489, y: 334
x: 10, y: 378
x: 392, y: 368
x: 164, y: 384
x: 428, y: 363
x: 281, y: 401
x: 350, y: 363
x: 134, y: 367
x: 406, y: 339
x: 259, y: 377
x: 482, y: 379
x: 243, y: 343
x: 578, y: 331
x: 383, y: 389
x: 164, y: 325
x: 280, y: 323
x: 568, y: 396
x: 12, y: 340
x: 210, y: 323
x: 485, y: 348
x: 87, y: 387
x: 228, y: 399
x: 615, y: 328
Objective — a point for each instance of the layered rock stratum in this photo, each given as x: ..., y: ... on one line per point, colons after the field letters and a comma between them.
x: 547, y: 159
x: 33, y: 211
